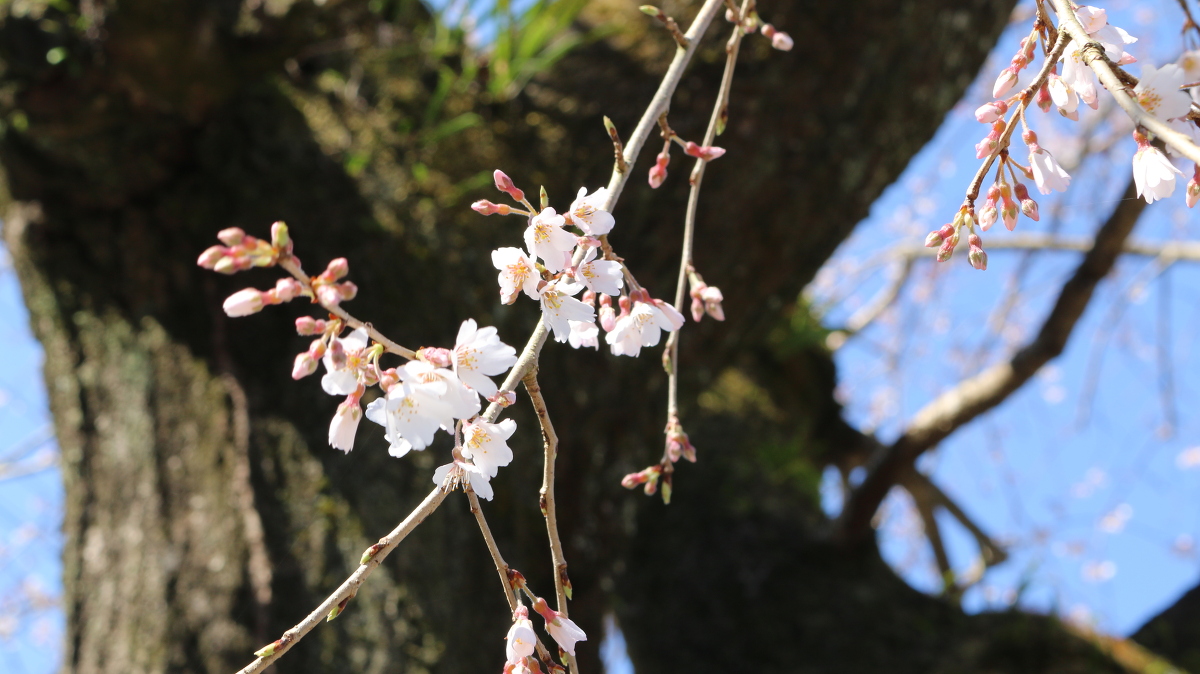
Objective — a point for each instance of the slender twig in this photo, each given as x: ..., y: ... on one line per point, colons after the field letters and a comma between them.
x: 290, y: 265
x: 350, y: 586
x: 546, y: 498
x: 671, y: 350
x: 1115, y: 80
x: 501, y: 566
x: 1182, y: 251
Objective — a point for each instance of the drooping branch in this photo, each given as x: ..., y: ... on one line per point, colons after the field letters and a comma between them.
x: 981, y: 393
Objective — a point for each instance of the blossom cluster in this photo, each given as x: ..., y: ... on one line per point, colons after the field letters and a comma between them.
x: 561, y: 259
x: 436, y: 389
x: 1159, y: 92
x: 523, y: 641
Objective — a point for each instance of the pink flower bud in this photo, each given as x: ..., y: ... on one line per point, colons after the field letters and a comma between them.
x: 713, y: 298
x: 730, y: 16
x: 1005, y: 82
x: 933, y: 239
x: 348, y: 290
x: 488, y: 208
x: 768, y: 30
x: 388, y: 378
x: 697, y: 309
x: 624, y: 304
x: 1029, y: 207
x: 243, y: 303
x: 1030, y: 138
x: 317, y: 349
x: 782, y: 41
x: 704, y: 152
x: 988, y: 215
x: 328, y: 295
x: 337, y: 269
x: 1043, y: 98
x: 304, y: 366
x: 505, y: 184
x: 946, y: 250
x: 657, y: 175
x: 608, y: 317
x: 231, y: 236
x: 975, y: 254
x: 279, y: 235
x: 1193, y: 188
x: 633, y: 479
x: 435, y: 356
x: 991, y: 112
x: 307, y: 325
x: 226, y: 265
x: 337, y: 353
x: 589, y: 298
x: 288, y: 289
x: 210, y: 257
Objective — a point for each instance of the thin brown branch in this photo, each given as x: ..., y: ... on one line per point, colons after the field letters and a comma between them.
x: 981, y: 393
x: 1174, y: 251
x: 350, y: 586
x: 562, y: 582
x: 501, y: 565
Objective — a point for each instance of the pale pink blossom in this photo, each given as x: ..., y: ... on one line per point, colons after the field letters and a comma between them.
x: 345, y: 424
x: 479, y: 355
x: 559, y: 307
x: 1063, y: 96
x: 546, y: 239
x: 1078, y: 76
x: 1046, y: 172
x: 426, y: 399
x: 642, y: 327
x: 1004, y: 82
x: 1091, y: 18
x: 458, y: 472
x: 599, y: 276
x: 517, y: 273
x: 344, y: 363
x: 584, y: 334
x: 486, y: 444
x: 588, y: 212
x: 1158, y: 92
x: 1153, y: 174
x: 564, y: 632
x: 522, y: 640
x: 991, y: 111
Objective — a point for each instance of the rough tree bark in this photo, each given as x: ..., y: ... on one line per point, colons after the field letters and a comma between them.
x: 205, y: 512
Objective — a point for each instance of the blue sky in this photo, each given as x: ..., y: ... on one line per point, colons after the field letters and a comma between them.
x: 1076, y: 472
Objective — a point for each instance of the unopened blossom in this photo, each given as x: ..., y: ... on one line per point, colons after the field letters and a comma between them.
x: 486, y: 444
x: 1153, y: 173
x: 990, y: 142
x: 344, y: 361
x: 559, y: 307
x: 1063, y: 96
x: 460, y: 472
x: 522, y: 640
x: 989, y: 212
x: 704, y: 152
x: 479, y: 355
x: 658, y: 172
x: 991, y: 111
x: 584, y: 334
x: 546, y: 239
x: 565, y: 632
x: 1005, y: 81
x: 782, y: 41
x: 600, y: 276
x: 243, y: 303
x: 485, y: 207
x: 976, y: 255
x: 606, y: 315
x: 1078, y: 76
x: 505, y: 184
x: 304, y: 365
x: 517, y: 273
x: 1046, y: 172
x: 1158, y: 92
x: 345, y: 424
x: 307, y: 325
x: 1193, y: 188
x: 588, y: 212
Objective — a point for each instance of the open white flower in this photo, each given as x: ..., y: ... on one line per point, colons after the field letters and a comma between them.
x: 486, y: 444
x: 1158, y: 92
x: 1064, y: 97
x: 584, y: 333
x: 517, y: 272
x: 1078, y: 76
x: 546, y: 239
x: 587, y: 212
x: 565, y: 632
x: 1153, y: 174
x: 342, y: 379
x: 1046, y: 172
x: 522, y: 640
x: 600, y: 276
x: 559, y: 308
x: 345, y: 424
x: 478, y: 355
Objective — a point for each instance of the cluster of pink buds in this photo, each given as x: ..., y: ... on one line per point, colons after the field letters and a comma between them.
x: 329, y: 292
x: 705, y: 152
x: 1008, y: 77
x: 647, y: 477
x: 947, y: 238
x: 678, y: 444
x: 658, y: 172
x: 306, y: 361
x: 242, y: 251
x: 706, y: 299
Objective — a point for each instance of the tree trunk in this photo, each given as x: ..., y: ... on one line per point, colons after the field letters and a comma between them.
x: 205, y: 511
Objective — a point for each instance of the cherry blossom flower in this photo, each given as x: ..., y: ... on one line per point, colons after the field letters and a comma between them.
x: 460, y: 472
x: 642, y: 326
x: 584, y: 333
x: 1078, y: 76
x: 600, y: 276
x: 486, y: 444
x: 546, y: 239
x: 559, y: 307
x: 1005, y: 81
x: 243, y: 303
x: 345, y: 424
x: 1064, y: 97
x: 1158, y: 92
x: 522, y: 640
x: 478, y: 355
x: 1114, y: 39
x: 565, y: 632
x: 588, y: 213
x: 517, y: 272
x: 1091, y: 18
x: 991, y: 111
x: 342, y: 372
x: 1046, y: 172
x: 1153, y: 173
x: 427, y: 398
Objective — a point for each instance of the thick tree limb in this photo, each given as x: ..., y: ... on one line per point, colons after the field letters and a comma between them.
x: 975, y: 396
